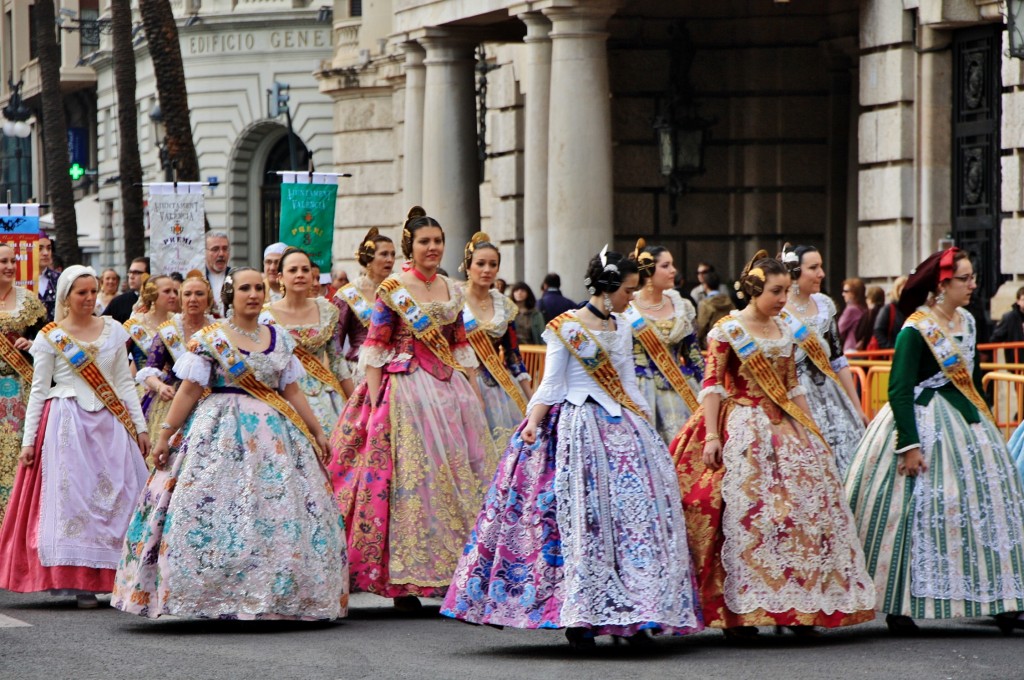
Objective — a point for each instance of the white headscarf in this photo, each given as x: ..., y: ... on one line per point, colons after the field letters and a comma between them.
x: 275, y: 249
x: 67, y: 278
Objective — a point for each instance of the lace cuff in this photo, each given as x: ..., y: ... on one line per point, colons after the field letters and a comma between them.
x: 465, y: 356
x: 840, y: 363
x: 524, y: 377
x: 908, y: 447
x: 291, y: 373
x: 193, y: 367
x: 714, y: 389
x: 377, y: 357
x: 798, y: 391
x: 148, y: 372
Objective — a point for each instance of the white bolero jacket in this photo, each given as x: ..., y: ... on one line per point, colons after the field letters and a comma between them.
x: 565, y: 379
x: 110, y: 355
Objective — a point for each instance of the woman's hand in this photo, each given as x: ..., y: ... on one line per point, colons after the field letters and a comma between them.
x: 166, y: 392
x: 864, y: 418
x: 912, y: 463
x: 529, y: 433
x: 324, y: 446
x: 144, y: 446
x: 27, y: 456
x: 712, y: 454
x: 161, y: 453
x: 22, y: 344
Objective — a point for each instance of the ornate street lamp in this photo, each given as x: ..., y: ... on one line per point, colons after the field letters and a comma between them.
x: 1015, y: 15
x: 156, y: 116
x: 16, y: 116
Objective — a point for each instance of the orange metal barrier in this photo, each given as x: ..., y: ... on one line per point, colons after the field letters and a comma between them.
x: 1007, y: 390
x: 877, y: 393
x: 533, y: 357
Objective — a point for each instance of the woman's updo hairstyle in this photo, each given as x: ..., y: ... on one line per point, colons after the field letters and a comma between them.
x: 368, y: 248
x: 197, y: 275
x: 479, y: 241
x: 149, y: 292
x: 751, y: 282
x: 291, y: 250
x: 416, y: 220
x: 227, y: 291
x: 646, y: 259
x: 606, y: 272
x: 793, y: 257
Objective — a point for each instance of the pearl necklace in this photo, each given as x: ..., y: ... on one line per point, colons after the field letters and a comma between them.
x: 950, y: 321
x: 801, y: 309
x: 252, y: 335
x: 650, y: 308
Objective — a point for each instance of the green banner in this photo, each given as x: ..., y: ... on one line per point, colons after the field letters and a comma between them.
x: 307, y: 220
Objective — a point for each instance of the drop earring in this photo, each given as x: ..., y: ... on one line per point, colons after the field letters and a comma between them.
x: 940, y: 298
x: 608, y: 310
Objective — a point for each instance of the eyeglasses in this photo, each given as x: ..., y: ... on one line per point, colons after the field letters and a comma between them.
x: 967, y: 277
x: 703, y: 271
x: 846, y: 290
x: 135, y: 272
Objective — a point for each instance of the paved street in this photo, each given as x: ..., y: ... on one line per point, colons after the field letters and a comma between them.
x: 44, y: 637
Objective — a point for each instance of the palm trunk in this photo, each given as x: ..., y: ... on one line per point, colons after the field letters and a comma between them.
x: 129, y: 164
x: 162, y: 35
x: 55, y: 137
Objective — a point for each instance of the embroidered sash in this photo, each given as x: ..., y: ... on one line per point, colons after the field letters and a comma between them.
x: 15, y: 359
x: 232, y: 361
x: 84, y: 366
x: 586, y: 348
x: 659, y: 354
x: 309, y: 361
x: 139, y: 334
x: 752, y: 357
x: 423, y: 327
x: 361, y: 306
x: 950, y: 361
x: 810, y: 344
x: 488, y: 356
x: 168, y: 333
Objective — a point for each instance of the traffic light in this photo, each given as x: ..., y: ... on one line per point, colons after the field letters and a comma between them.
x: 279, y: 99
x: 76, y: 171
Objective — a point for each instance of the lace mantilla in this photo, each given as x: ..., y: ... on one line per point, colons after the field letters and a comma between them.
x: 28, y: 311
x: 683, y: 317
x: 773, y: 347
x: 313, y: 336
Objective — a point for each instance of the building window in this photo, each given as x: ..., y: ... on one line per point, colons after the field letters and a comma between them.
x: 355, y: 8
x: 33, y: 48
x: 16, y: 168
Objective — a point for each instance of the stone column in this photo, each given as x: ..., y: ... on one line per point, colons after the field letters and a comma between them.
x: 451, y: 186
x: 580, y: 217
x: 535, y: 190
x: 412, y: 164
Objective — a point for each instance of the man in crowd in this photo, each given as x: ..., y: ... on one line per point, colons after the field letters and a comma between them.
x: 1011, y: 328
x: 218, y: 254
x: 271, y: 270
x: 47, y: 286
x: 552, y: 302
x: 339, y: 277
x: 713, y: 306
x: 120, y: 308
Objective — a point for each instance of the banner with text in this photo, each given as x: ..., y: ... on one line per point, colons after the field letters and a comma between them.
x: 176, y: 227
x: 307, y: 214
x: 19, y: 228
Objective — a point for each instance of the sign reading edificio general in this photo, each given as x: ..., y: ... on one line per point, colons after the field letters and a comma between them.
x: 243, y: 42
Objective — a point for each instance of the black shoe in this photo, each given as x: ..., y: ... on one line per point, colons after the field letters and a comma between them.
x: 740, y: 633
x: 580, y: 638
x: 901, y: 625
x: 639, y: 640
x: 408, y: 603
x: 1008, y: 621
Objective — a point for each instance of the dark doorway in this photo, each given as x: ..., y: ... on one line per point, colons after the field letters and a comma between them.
x: 270, y: 191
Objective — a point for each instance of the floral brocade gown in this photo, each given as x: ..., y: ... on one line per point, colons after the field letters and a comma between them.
x: 24, y: 321
x: 773, y: 540
x: 241, y: 523
x: 410, y: 474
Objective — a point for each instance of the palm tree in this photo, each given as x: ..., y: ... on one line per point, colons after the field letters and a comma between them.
x: 162, y: 35
x: 55, y: 137
x: 129, y: 164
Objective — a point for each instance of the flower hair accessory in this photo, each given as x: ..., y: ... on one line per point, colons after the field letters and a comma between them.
x: 610, y: 277
x: 644, y: 261
x: 757, y: 273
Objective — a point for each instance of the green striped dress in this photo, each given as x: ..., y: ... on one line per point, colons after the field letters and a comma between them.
x: 950, y: 542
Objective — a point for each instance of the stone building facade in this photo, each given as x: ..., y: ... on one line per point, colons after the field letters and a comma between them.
x: 827, y: 122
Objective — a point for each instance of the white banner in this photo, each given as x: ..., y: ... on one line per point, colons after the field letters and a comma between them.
x: 176, y: 227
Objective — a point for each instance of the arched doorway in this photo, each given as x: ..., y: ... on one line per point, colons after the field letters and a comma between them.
x: 278, y: 159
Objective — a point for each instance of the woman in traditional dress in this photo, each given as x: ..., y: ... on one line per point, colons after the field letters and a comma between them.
x: 412, y: 454
x: 82, y: 457
x: 158, y: 300
x: 169, y: 345
x: 490, y: 328
x: 238, y: 521
x: 376, y: 255
x: 582, y: 527
x: 821, y: 367
x: 669, y: 363
x: 313, y: 324
x: 938, y: 501
x: 21, y: 317
x: 772, y: 538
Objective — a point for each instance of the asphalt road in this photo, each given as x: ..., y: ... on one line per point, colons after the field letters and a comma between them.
x: 49, y: 638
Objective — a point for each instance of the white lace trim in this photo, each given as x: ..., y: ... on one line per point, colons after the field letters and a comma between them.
x: 713, y: 389
x: 772, y: 347
x: 377, y: 357
x: 797, y: 392
x: 524, y: 377
x: 146, y: 373
x: 465, y: 357
x: 293, y: 372
x: 194, y: 368
x: 683, y: 318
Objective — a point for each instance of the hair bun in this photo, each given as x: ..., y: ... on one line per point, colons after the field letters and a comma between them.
x: 194, y: 274
x: 416, y: 211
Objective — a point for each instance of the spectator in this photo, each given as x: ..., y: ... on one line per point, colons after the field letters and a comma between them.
x: 120, y: 308
x: 856, y: 307
x: 866, y: 327
x: 700, y: 292
x: 1011, y: 327
x: 681, y: 287
x: 218, y: 254
x: 529, y: 321
x: 552, y: 303
x: 339, y: 277
x: 271, y: 270
x: 890, y: 319
x: 713, y: 306
x: 110, y: 281
x: 500, y: 285
x: 48, y: 275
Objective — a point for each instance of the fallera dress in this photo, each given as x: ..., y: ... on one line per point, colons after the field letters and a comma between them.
x: 24, y: 321
x: 949, y: 542
x: 355, y: 308
x: 498, y: 348
x: 584, y: 528
x: 69, y: 510
x: 835, y: 413
x: 772, y: 537
x: 241, y: 523
x: 321, y: 340
x: 410, y: 474
x: 679, y: 336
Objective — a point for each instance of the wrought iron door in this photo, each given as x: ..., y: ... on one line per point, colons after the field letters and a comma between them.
x: 977, y: 91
